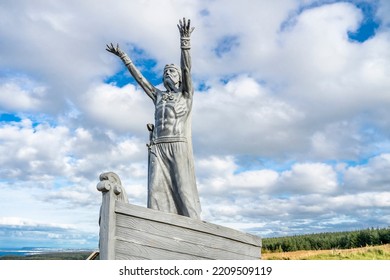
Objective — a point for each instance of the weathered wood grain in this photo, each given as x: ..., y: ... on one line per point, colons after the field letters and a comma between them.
x: 107, y: 223
x: 228, y: 248
x: 128, y: 250
x: 171, y: 244
x: 185, y: 222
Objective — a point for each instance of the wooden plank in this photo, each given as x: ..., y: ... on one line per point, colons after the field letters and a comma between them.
x: 233, y: 249
x: 150, y: 240
x: 93, y: 255
x: 107, y: 226
x: 127, y: 250
x: 122, y: 255
x: 185, y: 222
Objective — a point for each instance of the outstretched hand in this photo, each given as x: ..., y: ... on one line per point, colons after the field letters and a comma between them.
x: 185, y: 28
x: 115, y: 50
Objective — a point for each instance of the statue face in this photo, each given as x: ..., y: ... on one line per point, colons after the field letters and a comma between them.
x: 173, y: 74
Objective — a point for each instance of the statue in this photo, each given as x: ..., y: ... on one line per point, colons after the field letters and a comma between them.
x: 171, y: 176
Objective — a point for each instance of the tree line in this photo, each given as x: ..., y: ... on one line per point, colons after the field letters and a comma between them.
x: 329, y: 240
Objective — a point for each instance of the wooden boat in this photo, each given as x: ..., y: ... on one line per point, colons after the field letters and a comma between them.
x: 133, y: 232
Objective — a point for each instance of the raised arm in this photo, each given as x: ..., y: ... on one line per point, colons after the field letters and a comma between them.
x: 185, y: 30
x: 149, y: 89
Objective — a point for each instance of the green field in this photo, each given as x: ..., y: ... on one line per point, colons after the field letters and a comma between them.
x: 381, y: 252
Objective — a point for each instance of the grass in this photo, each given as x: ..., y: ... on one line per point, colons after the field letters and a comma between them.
x: 381, y: 252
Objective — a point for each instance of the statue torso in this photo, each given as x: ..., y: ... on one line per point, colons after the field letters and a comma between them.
x: 171, y: 115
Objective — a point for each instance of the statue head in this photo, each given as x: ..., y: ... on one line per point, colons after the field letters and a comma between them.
x: 172, y: 77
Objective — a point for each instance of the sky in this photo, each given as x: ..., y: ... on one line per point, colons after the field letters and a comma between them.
x: 291, y: 119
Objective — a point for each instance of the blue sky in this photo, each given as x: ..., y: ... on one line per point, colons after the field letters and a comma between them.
x: 290, y: 123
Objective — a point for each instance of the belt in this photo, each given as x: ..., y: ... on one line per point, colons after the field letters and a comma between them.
x: 168, y: 139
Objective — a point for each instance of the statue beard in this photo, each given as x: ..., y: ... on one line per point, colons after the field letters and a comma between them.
x: 170, y: 85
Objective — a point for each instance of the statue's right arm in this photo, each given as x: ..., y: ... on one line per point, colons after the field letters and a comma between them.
x: 149, y: 89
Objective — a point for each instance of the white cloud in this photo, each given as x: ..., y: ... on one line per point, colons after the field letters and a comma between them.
x: 219, y: 175
x: 362, y: 200
x: 21, y: 94
x: 309, y: 178
x: 215, y: 166
x: 318, y: 38
x: 325, y: 74
x: 254, y: 27
x: 243, y: 117
x: 125, y: 109
x: 338, y: 141
x: 36, y: 151
x: 384, y: 12
x: 20, y: 222
x: 372, y: 176
x: 257, y: 179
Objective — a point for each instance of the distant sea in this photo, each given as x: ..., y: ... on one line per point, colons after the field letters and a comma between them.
x: 25, y: 251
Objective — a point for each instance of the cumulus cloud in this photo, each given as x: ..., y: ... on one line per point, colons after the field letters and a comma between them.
x: 125, y: 110
x: 294, y: 196
x: 383, y: 12
x: 32, y: 152
x: 371, y: 176
x: 14, y: 222
x: 242, y: 116
x: 331, y: 67
x: 44, y: 149
x: 26, y: 95
x: 309, y: 178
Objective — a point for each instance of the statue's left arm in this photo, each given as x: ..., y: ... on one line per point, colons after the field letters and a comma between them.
x: 185, y: 60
